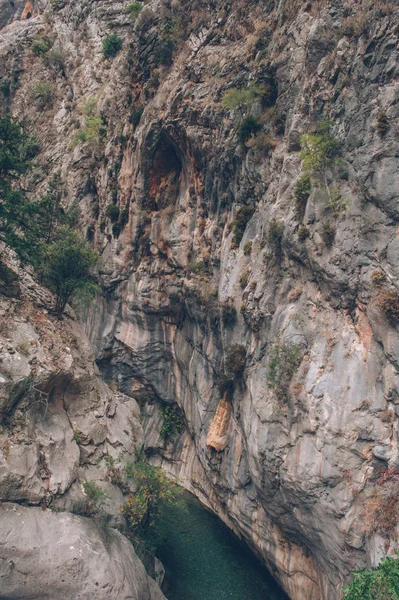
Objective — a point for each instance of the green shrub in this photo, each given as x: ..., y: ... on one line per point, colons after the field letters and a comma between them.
x: 43, y: 95
x: 41, y: 44
x: 244, y: 278
x: 248, y: 126
x: 236, y: 358
x: 66, y: 267
x: 284, y: 361
x: 319, y: 150
x: 133, y: 10
x: 112, y: 44
x: 136, y: 116
x: 275, y: 237
x: 56, y: 58
x: 95, y: 496
x: 144, y: 508
x: 93, y: 130
x: 164, y: 54
x: 380, y: 583
x: 378, y: 278
x: 199, y: 268
x: 239, y: 224
x: 302, y: 190
x: 328, y: 233
x: 241, y: 98
x: 172, y: 422
x: 113, y: 212
x: 247, y: 248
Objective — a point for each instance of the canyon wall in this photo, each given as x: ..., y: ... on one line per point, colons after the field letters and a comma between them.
x: 209, y: 251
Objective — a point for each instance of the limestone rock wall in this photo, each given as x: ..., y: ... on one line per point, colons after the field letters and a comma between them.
x: 288, y: 464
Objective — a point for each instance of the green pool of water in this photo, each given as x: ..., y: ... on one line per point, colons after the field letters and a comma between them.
x: 204, y: 560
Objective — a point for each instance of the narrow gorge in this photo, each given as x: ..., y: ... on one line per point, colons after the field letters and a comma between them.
x: 234, y: 166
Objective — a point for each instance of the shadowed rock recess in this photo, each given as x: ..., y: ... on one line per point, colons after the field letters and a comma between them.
x: 260, y: 305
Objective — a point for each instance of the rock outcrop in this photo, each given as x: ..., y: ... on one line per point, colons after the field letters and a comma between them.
x: 58, y: 555
x: 210, y: 248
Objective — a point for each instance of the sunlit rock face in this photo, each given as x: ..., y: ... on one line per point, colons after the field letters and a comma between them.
x: 287, y: 456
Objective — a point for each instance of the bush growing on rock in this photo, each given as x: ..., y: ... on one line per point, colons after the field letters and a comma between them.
x: 302, y: 190
x: 284, y: 361
x: 172, y: 422
x: 382, y: 123
x: 66, y: 268
x: 381, y: 509
x: 43, y: 95
x: 133, y: 10
x: 240, y: 223
x: 112, y: 45
x: 112, y: 212
x: 144, y: 508
x: 41, y: 44
x: 275, y: 238
x: 95, y: 496
x: 380, y: 583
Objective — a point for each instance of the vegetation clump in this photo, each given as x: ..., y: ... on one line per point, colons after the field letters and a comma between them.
x: 389, y: 302
x: 302, y: 190
x: 381, y: 509
x: 112, y: 45
x: 43, y: 95
x: 172, y: 422
x: 133, y: 10
x: 247, y: 248
x: 144, y: 508
x: 229, y: 313
x: 95, y: 496
x: 284, y: 361
x: 275, y: 238
x: 380, y: 583
x: 41, y: 44
x: 113, y: 212
x: 240, y: 223
x: 66, y: 268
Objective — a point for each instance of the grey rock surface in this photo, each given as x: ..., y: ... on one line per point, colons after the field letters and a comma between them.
x: 50, y: 555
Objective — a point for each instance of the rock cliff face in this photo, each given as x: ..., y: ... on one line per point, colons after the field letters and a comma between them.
x: 209, y: 249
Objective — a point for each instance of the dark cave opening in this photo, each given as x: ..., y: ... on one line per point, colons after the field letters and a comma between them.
x: 165, y: 176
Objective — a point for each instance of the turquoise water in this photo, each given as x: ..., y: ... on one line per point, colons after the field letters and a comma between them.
x: 205, y: 561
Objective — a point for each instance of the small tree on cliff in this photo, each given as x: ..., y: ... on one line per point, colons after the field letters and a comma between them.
x: 66, y: 268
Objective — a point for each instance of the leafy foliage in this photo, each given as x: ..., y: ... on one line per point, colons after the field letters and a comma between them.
x: 284, y: 361
x: 17, y: 228
x: 41, y: 44
x: 302, y: 190
x: 381, y: 583
x: 319, y: 150
x: 240, y: 223
x: 144, y: 509
x: 112, y: 44
x: 172, y: 422
x: 95, y: 496
x: 275, y: 237
x: 66, y: 268
x: 94, y: 129
x: 133, y: 10
x: 43, y: 95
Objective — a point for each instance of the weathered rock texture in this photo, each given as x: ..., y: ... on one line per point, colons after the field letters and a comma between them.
x: 288, y: 469
x: 59, y: 555
x: 61, y: 426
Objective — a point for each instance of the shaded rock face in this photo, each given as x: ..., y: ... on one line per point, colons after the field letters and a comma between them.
x: 61, y: 428
x: 59, y: 555
x: 287, y: 464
